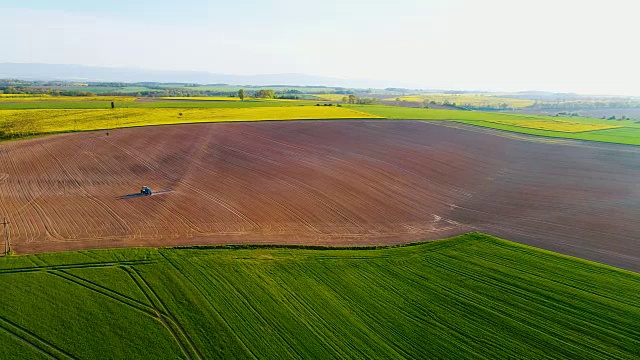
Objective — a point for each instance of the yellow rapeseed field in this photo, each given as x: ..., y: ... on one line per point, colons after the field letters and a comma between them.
x: 554, y: 125
x: 24, y: 122
x: 21, y: 98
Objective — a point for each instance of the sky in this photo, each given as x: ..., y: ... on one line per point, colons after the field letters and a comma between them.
x: 587, y: 46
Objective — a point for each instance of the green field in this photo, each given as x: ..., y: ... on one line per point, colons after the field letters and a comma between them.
x: 627, y: 133
x: 473, y: 296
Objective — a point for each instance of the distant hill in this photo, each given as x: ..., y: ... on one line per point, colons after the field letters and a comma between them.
x: 24, y: 71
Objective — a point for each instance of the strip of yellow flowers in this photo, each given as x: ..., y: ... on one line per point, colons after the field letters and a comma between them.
x: 58, y: 120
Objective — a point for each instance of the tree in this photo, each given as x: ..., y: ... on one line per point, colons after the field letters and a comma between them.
x: 241, y: 94
x: 345, y: 100
x: 265, y: 94
x: 367, y: 101
x: 352, y: 99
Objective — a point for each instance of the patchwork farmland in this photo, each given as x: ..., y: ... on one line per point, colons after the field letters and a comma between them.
x: 339, y: 183
x: 47, y: 121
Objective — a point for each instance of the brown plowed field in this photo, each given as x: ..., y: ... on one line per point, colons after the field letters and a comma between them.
x: 320, y: 182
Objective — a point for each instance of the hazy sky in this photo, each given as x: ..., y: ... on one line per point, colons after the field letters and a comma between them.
x: 559, y: 45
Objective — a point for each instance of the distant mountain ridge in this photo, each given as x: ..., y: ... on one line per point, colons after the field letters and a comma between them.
x: 48, y: 72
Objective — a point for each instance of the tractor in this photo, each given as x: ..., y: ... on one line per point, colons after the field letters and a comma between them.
x: 145, y: 190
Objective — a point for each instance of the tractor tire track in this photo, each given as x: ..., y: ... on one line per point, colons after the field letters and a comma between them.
x: 213, y: 307
x: 121, y: 298
x: 189, y: 349
x: 33, y: 340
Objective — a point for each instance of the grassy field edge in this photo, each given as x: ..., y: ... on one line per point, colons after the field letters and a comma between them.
x: 449, y: 241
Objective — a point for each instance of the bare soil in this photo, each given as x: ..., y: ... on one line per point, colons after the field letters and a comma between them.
x: 332, y: 183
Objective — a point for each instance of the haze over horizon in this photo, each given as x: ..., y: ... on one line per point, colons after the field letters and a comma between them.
x: 495, y: 45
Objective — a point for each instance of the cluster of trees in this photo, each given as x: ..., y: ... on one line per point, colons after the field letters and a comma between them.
x: 291, y: 94
x: 260, y: 94
x: 568, y: 114
x: 264, y: 94
x: 291, y: 91
x: 352, y: 99
x: 269, y: 94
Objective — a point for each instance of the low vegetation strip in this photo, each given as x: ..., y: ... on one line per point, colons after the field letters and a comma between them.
x: 20, y: 123
x: 554, y: 125
x: 473, y: 296
x: 44, y: 97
